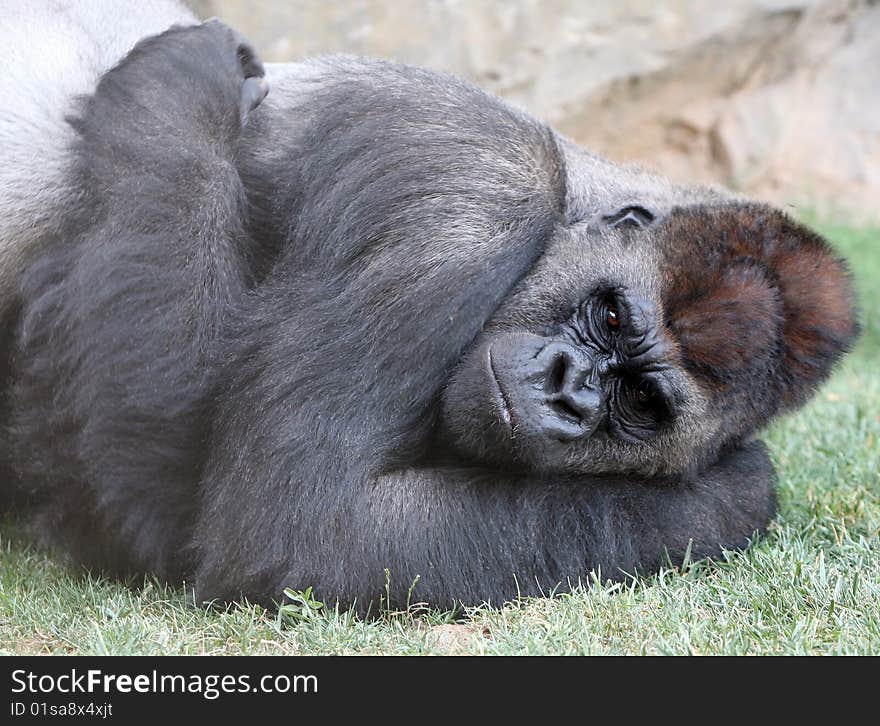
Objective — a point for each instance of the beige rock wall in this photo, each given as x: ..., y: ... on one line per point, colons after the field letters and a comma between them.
x: 780, y: 99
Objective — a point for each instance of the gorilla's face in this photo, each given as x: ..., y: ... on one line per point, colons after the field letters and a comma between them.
x: 578, y: 371
x: 648, y: 346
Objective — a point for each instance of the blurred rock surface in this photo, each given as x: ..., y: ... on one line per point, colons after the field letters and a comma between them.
x: 779, y: 99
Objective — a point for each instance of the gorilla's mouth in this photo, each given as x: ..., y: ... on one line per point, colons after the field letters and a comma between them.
x: 502, y: 403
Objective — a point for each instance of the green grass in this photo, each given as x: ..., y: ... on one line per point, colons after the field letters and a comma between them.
x: 812, y: 585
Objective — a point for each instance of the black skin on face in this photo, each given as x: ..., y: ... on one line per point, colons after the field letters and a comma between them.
x: 604, y: 373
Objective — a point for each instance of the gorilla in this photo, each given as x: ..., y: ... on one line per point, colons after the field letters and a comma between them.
x: 387, y: 336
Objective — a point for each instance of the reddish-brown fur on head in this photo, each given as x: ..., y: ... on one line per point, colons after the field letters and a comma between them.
x: 760, y: 306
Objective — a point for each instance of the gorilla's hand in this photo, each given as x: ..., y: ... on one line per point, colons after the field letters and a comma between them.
x: 195, y: 80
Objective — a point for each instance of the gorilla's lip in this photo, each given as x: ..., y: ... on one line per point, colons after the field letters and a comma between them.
x: 502, y: 403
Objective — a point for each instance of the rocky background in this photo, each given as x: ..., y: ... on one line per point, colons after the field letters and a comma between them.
x: 778, y: 99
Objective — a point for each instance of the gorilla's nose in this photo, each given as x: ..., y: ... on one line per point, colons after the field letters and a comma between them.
x: 574, y: 400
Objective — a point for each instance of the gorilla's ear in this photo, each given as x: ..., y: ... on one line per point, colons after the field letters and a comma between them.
x: 756, y: 299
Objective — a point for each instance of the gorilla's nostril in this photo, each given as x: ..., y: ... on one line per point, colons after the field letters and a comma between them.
x: 566, y: 411
x: 556, y: 376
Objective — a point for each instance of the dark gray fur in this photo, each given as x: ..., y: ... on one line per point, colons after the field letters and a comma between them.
x: 249, y: 402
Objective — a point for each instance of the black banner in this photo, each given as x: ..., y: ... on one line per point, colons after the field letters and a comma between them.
x: 131, y: 689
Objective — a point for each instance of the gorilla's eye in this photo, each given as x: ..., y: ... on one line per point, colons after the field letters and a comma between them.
x: 650, y: 397
x: 612, y: 319
x: 644, y: 392
x: 602, y: 318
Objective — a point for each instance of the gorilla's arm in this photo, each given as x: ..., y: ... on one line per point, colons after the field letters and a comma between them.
x: 465, y: 536
x: 121, y: 313
x: 490, y: 536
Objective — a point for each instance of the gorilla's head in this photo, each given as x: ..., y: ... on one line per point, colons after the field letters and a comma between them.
x: 647, y: 344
